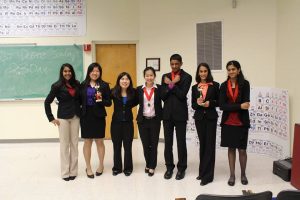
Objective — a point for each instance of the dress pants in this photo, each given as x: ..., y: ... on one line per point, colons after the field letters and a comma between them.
x: 149, y: 132
x: 68, y: 138
x: 122, y: 132
x: 180, y: 127
x: 206, y: 130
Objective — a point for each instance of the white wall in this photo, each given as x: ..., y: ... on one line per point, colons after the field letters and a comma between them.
x: 249, y: 34
x: 253, y: 33
x: 106, y: 21
x: 288, y: 52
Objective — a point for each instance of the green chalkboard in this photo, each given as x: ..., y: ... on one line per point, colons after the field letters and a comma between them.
x: 28, y: 71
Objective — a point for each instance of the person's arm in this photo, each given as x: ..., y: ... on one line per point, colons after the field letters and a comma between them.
x: 106, y: 93
x: 165, y: 90
x: 182, y: 91
x: 224, y: 105
x: 47, y: 104
x: 195, y: 105
x: 215, y: 102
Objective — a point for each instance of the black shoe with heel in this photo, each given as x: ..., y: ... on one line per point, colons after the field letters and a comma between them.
x: 89, y: 176
x: 231, y: 181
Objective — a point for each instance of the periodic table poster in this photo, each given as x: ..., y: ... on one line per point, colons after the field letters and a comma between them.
x: 42, y: 18
x: 269, y: 117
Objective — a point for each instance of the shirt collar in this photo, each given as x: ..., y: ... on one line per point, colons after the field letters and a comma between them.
x: 144, y: 85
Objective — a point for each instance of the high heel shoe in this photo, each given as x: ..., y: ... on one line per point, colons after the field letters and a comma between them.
x: 72, y: 178
x: 151, y: 172
x: 99, y: 173
x: 231, y: 181
x: 146, y: 170
x: 244, y: 180
x: 198, y: 178
x: 89, y: 176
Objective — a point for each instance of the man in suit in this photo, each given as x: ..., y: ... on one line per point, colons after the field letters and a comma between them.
x: 175, y: 86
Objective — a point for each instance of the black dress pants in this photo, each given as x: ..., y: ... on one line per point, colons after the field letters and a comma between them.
x: 180, y: 127
x: 206, y: 130
x: 149, y: 132
x: 122, y: 132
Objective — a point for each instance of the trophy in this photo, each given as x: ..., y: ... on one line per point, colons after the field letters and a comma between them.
x: 98, y: 95
x: 201, y: 95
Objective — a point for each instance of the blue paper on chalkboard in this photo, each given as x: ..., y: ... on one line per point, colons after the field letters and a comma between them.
x: 27, y: 72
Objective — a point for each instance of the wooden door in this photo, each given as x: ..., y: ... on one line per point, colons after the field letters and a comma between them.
x: 114, y: 59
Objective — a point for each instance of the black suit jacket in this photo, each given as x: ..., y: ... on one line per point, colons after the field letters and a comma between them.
x: 243, y: 96
x: 157, y: 103
x: 99, y: 107
x: 175, y: 99
x: 212, y: 96
x: 124, y: 112
x: 68, y: 106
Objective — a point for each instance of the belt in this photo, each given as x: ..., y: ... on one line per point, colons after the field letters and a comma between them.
x: 145, y: 117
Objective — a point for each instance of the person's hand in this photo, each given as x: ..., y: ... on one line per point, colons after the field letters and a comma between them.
x: 167, y: 80
x: 176, y: 79
x: 200, y: 101
x: 55, y: 122
x: 206, y: 104
x: 245, y: 106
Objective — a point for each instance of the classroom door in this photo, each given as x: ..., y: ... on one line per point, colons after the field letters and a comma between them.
x: 114, y: 59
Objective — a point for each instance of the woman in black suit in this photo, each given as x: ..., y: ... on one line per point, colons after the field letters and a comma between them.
x: 125, y: 98
x: 205, y: 95
x: 235, y: 123
x: 95, y: 94
x: 66, y: 90
x: 149, y: 117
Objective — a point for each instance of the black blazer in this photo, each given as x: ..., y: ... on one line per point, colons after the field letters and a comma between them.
x: 99, y: 107
x: 212, y: 96
x: 157, y: 103
x: 243, y: 96
x: 175, y: 100
x: 68, y: 106
x: 124, y: 112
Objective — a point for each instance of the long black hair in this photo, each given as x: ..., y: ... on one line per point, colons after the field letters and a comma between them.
x: 89, y: 70
x: 209, y: 77
x: 240, y: 76
x: 62, y: 81
x: 116, y: 91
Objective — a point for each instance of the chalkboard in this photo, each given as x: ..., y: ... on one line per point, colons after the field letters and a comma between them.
x: 27, y: 72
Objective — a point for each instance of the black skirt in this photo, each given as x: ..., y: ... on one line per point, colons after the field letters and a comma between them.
x: 92, y: 127
x: 234, y: 136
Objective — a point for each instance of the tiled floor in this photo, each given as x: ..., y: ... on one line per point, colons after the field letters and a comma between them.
x: 31, y: 171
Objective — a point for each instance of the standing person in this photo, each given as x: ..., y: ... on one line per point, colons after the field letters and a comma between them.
x: 175, y: 86
x: 235, y: 123
x: 149, y: 117
x: 205, y: 97
x: 125, y: 98
x: 66, y: 90
x: 95, y: 94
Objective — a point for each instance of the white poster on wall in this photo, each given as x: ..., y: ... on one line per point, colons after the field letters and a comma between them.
x: 269, y: 117
x: 41, y: 18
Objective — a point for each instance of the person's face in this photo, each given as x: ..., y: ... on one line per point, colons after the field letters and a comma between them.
x: 175, y: 65
x: 232, y: 71
x: 124, y: 82
x: 95, y: 74
x: 149, y: 77
x: 203, y: 72
x: 67, y: 74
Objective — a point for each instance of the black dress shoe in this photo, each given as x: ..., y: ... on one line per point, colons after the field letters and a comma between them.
x: 146, y: 170
x: 72, y: 178
x: 116, y: 172
x: 180, y: 175
x: 198, y: 177
x: 127, y: 173
x: 203, y: 182
x: 88, y: 175
x: 231, y: 181
x: 168, y: 174
x: 66, y: 179
x: 99, y: 173
x: 244, y: 180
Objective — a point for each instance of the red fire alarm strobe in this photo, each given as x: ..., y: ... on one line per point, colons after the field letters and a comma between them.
x: 87, y: 47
